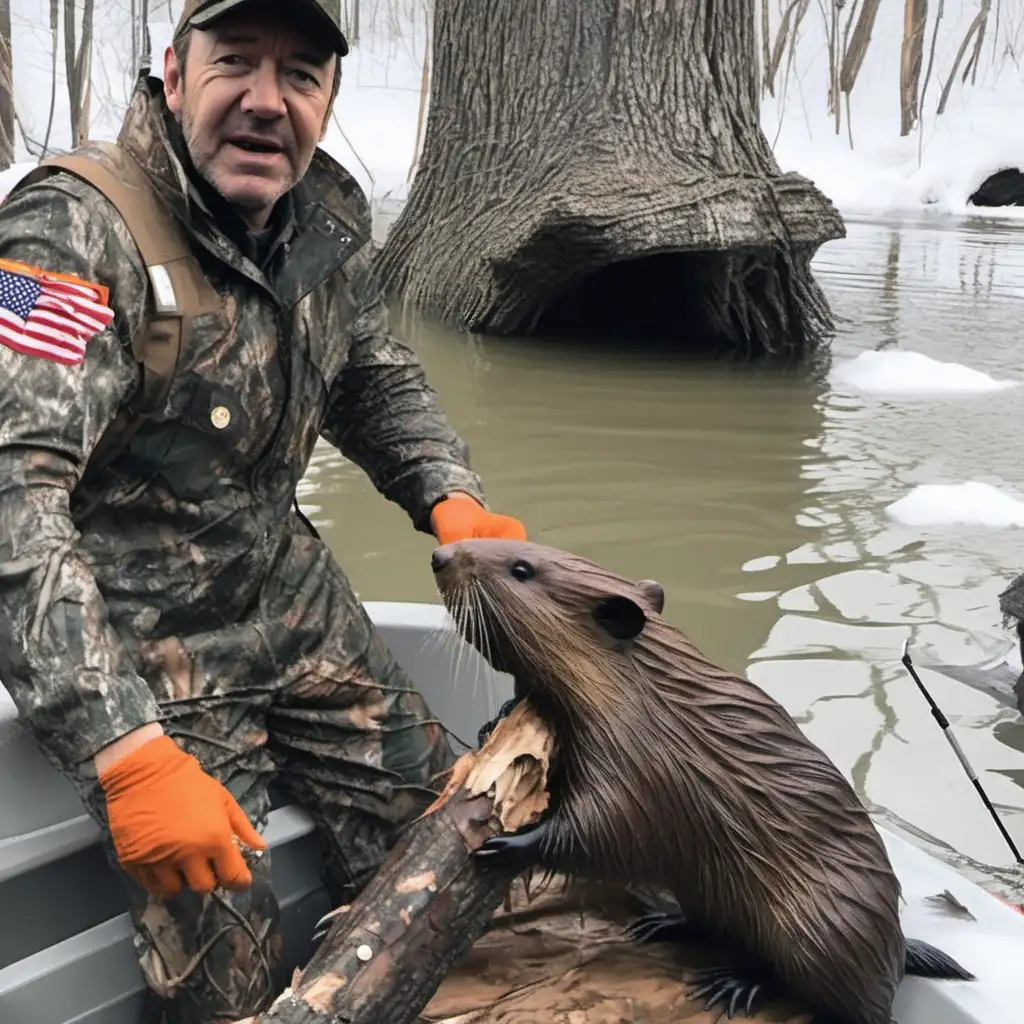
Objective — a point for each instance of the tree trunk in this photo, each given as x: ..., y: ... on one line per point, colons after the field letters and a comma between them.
x: 6, y: 88
x: 77, y: 68
x: 602, y: 164
x: 386, y: 954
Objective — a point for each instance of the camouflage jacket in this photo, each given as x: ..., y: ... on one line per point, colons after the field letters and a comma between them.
x: 180, y: 532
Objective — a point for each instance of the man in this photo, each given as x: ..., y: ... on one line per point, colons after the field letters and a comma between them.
x: 175, y: 635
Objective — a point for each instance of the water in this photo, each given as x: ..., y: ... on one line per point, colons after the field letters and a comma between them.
x: 757, y: 498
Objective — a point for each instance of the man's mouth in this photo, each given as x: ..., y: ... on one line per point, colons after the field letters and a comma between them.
x: 254, y: 145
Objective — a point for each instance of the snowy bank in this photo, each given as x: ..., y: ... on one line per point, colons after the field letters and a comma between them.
x: 943, y: 160
x: 936, y: 167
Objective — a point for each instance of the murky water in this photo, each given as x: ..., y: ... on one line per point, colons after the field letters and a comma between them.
x: 758, y: 500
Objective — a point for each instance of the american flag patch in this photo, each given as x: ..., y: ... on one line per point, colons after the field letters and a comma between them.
x: 50, y: 315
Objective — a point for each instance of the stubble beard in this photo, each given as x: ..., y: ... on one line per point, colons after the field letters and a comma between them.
x: 203, y: 163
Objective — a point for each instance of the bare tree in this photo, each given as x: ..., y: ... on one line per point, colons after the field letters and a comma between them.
x: 602, y: 164
x: 77, y: 67
x: 915, y: 17
x: 6, y: 87
x: 54, y: 37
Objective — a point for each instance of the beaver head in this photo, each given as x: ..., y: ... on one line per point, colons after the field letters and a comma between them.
x: 543, y: 615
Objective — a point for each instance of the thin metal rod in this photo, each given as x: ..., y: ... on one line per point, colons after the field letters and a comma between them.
x: 961, y: 756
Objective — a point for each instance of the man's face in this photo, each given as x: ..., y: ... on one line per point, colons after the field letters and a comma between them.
x: 253, y: 104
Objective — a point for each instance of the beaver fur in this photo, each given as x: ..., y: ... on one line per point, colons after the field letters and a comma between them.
x: 675, y: 773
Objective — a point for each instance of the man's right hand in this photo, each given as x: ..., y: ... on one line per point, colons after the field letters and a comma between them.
x: 172, y: 824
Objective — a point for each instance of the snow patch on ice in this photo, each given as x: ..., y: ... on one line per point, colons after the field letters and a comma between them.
x: 909, y: 373
x: 972, y: 503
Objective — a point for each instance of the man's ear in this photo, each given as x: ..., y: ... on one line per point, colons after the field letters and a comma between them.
x: 620, y: 617
x: 654, y: 594
x: 173, y: 85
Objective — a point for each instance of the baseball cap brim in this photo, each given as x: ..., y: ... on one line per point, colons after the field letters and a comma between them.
x: 208, y: 15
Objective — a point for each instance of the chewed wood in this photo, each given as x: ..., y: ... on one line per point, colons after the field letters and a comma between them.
x: 384, y: 955
x: 512, y: 766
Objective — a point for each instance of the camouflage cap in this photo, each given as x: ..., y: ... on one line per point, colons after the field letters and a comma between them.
x: 200, y: 13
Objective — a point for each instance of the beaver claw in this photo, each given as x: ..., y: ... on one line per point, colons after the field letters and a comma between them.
x: 488, y: 727
x: 732, y: 988
x: 520, y: 849
x: 323, y: 926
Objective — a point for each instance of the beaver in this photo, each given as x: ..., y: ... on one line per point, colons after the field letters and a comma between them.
x: 676, y: 774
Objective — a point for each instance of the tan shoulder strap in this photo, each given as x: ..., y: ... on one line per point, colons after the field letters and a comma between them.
x: 178, y: 292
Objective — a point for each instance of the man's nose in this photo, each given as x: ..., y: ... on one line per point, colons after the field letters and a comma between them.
x: 264, y: 97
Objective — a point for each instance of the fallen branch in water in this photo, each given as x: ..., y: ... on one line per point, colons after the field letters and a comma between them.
x: 385, y: 954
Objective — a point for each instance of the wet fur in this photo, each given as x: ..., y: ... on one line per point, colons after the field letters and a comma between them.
x: 674, y: 772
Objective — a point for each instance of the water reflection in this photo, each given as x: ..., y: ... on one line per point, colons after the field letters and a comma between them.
x: 832, y: 655
x: 757, y: 498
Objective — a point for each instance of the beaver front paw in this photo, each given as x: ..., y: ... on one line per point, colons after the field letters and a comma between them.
x: 323, y: 926
x: 488, y: 727
x: 733, y: 988
x: 520, y: 850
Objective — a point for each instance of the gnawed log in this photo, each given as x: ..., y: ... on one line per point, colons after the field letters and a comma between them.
x: 386, y: 953
x: 600, y: 167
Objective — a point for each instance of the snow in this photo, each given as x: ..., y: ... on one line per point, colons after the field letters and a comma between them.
x: 971, y: 503
x: 935, y: 167
x: 909, y: 373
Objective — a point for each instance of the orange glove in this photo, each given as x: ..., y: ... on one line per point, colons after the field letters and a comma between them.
x: 171, y: 822
x: 461, y: 517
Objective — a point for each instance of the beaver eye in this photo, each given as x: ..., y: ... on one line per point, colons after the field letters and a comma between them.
x: 522, y: 570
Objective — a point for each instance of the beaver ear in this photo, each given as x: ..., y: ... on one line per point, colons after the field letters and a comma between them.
x: 620, y: 617
x: 654, y: 594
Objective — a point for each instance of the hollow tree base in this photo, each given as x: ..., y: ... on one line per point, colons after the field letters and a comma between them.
x: 618, y: 178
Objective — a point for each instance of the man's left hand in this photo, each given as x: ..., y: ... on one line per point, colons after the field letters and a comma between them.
x: 460, y: 516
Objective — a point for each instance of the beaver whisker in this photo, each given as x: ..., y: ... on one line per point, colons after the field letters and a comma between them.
x: 478, y: 637
x: 444, y: 639
x: 465, y: 599
x: 481, y: 634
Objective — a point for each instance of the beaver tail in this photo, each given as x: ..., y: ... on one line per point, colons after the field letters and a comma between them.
x: 925, y: 961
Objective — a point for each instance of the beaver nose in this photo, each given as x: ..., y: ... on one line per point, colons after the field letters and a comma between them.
x: 440, y: 558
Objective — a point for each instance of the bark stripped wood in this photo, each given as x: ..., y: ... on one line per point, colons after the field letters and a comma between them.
x: 567, y: 142
x: 789, y: 27
x: 387, y: 952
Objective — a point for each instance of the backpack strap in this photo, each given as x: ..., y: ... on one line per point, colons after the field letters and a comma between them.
x: 179, y: 290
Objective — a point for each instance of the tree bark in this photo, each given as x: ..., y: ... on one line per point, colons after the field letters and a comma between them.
x: 6, y: 88
x: 602, y: 163
x: 385, y: 955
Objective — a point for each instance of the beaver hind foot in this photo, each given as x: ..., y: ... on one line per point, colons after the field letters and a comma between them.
x: 751, y: 986
x: 747, y: 987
